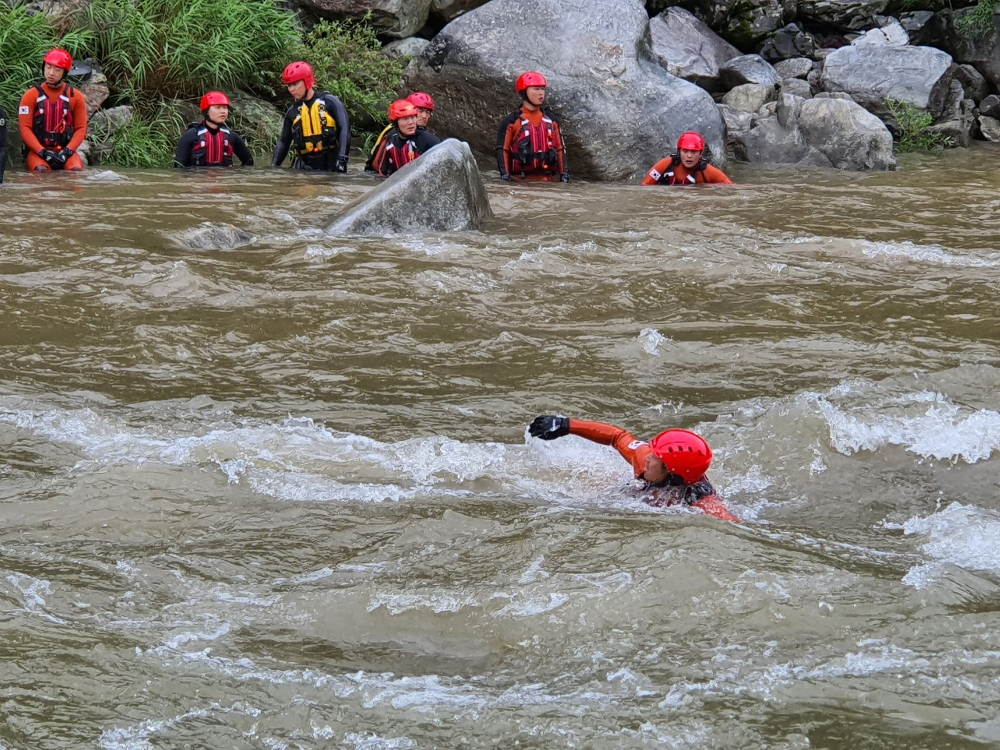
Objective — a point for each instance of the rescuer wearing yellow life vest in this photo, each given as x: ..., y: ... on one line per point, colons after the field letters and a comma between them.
x: 316, y: 127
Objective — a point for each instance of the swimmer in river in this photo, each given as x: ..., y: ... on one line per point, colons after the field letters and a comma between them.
x: 673, y: 464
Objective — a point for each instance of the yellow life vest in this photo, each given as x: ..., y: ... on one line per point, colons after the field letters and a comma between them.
x: 315, y: 129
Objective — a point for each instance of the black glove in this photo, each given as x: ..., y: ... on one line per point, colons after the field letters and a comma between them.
x: 341, y: 164
x: 505, y: 177
x: 63, y: 156
x: 548, y: 427
x: 564, y: 177
x: 49, y: 157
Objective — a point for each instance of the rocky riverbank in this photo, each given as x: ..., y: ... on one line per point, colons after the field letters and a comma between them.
x: 825, y: 83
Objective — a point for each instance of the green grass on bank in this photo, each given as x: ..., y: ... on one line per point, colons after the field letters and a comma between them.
x: 159, y: 55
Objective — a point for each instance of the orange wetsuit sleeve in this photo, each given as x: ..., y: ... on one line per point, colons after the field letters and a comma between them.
x: 713, y: 506
x: 25, y: 120
x: 512, y: 130
x: 653, y: 175
x: 716, y: 176
x: 78, y: 103
x: 632, y: 449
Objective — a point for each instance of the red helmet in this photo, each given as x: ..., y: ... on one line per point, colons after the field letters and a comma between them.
x: 401, y: 108
x: 299, y: 71
x: 213, y: 98
x: 685, y: 454
x: 531, y: 78
x: 60, y: 58
x: 421, y: 100
x: 691, y: 141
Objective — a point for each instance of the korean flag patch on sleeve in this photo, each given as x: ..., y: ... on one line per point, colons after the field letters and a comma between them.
x: 654, y: 174
x: 635, y: 444
x: 24, y: 110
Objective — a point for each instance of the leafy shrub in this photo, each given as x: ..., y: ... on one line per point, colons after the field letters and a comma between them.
x: 910, y: 127
x: 979, y: 20
x: 153, y: 49
x: 24, y: 40
x: 348, y: 64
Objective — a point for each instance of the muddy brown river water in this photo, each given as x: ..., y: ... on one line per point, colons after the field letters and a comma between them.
x: 282, y: 497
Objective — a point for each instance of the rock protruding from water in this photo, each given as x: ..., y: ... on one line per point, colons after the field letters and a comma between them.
x: 442, y: 191
x: 686, y: 47
x: 621, y: 112
x: 209, y: 236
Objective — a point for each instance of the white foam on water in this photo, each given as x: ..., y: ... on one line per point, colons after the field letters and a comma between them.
x: 374, y: 742
x: 34, y: 590
x: 933, y: 254
x: 137, y: 736
x: 651, y: 339
x: 396, y: 604
x: 942, y: 430
x: 961, y: 535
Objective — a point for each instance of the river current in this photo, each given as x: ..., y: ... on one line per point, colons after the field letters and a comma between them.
x: 282, y: 496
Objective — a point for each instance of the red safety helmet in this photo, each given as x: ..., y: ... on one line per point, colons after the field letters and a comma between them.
x: 531, y: 78
x: 299, y: 71
x: 401, y: 108
x: 213, y: 98
x: 685, y: 454
x: 60, y: 58
x: 691, y: 141
x: 421, y: 100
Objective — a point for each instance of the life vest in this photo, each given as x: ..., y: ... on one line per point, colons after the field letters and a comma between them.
x: 214, y: 148
x: 535, y: 149
x: 669, y: 177
x: 52, y: 123
x: 400, y: 155
x: 315, y: 130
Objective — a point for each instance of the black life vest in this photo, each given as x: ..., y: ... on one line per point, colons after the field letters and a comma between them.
x: 214, y: 148
x: 314, y: 130
x: 534, y: 149
x: 52, y: 122
x: 669, y: 177
x: 400, y: 154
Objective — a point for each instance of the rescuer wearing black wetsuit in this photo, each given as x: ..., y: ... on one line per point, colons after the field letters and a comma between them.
x: 316, y: 127
x: 210, y: 143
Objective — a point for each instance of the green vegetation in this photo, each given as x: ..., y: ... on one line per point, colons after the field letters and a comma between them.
x: 911, y: 124
x: 24, y: 40
x: 160, y: 56
x: 980, y: 20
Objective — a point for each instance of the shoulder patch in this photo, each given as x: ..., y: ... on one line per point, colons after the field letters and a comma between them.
x: 655, y: 174
x: 3, y: 122
x: 635, y: 444
x: 24, y: 110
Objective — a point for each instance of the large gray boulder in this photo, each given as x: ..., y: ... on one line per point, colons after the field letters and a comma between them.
x: 442, y: 191
x: 845, y: 15
x: 395, y: 18
x: 409, y: 47
x: 795, y: 67
x: 819, y: 133
x: 846, y: 134
x: 744, y: 23
x: 750, y: 97
x: 979, y: 49
x: 788, y: 42
x: 919, y: 76
x: 748, y: 69
x: 620, y: 111
x: 890, y: 35
x: 686, y: 47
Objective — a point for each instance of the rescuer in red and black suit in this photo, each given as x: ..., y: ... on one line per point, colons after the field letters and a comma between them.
x: 530, y: 143
x: 209, y: 143
x: 53, y: 118
x: 404, y: 143
x: 673, y: 464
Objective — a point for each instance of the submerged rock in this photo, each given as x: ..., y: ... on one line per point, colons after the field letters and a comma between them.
x: 442, y: 191
x: 686, y: 47
x: 209, y: 236
x: 620, y: 111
